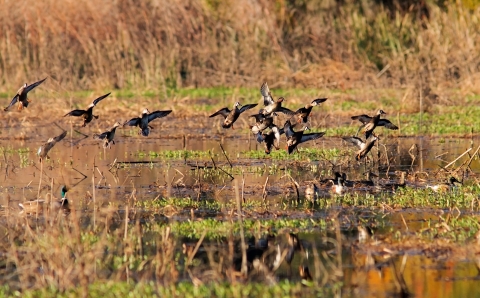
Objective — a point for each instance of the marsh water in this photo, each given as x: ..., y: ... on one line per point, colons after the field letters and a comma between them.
x: 137, y: 164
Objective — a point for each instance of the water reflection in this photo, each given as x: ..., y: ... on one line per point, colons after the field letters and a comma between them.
x: 113, y: 175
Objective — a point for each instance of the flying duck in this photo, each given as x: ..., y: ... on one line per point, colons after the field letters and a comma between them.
x: 272, y: 138
x: 301, y: 115
x: 107, y: 136
x: 146, y: 117
x: 272, y: 106
x: 88, y: 113
x: 370, y: 121
x: 21, y: 96
x: 297, y: 137
x: 232, y: 116
x: 45, y: 148
x: 365, y: 147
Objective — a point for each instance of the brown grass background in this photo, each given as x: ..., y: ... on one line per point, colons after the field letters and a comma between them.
x: 87, y: 44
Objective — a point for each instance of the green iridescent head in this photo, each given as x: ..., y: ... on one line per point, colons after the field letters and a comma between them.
x: 64, y: 191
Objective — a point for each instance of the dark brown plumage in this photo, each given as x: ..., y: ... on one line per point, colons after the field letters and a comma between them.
x: 297, y: 137
x: 232, y: 115
x: 88, y: 113
x: 369, y: 123
x: 21, y: 96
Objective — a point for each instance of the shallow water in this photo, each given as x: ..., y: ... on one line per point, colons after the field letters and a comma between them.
x: 82, y: 162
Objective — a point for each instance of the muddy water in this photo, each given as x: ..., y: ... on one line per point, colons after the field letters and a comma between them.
x: 86, y: 167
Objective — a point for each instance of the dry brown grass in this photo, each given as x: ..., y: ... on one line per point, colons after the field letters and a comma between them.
x: 169, y: 44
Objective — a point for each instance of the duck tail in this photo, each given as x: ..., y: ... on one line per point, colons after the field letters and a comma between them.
x: 145, y: 131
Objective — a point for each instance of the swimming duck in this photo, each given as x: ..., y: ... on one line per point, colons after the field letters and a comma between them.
x: 301, y: 115
x: 232, y: 116
x: 146, y: 118
x: 444, y: 187
x: 311, y: 192
x: 297, y: 137
x: 21, y: 96
x: 393, y: 186
x: 272, y: 138
x: 33, y: 206
x: 272, y: 106
x: 365, y: 119
x: 339, y: 188
x: 88, y: 113
x: 45, y: 148
x: 368, y: 182
x: 328, y: 181
x: 108, y: 136
x: 365, y: 147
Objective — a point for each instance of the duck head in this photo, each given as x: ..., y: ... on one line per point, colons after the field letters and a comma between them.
x: 64, y: 191
x: 454, y: 180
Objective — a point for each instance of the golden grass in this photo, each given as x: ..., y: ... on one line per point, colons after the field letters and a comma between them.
x: 169, y: 44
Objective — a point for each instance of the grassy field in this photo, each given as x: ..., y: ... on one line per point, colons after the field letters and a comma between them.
x: 178, y: 44
x: 417, y: 60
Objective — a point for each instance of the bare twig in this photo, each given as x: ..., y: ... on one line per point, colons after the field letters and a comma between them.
x: 242, y: 235
x: 225, y: 153
x: 199, y: 242
x: 461, y: 155
x: 264, y: 194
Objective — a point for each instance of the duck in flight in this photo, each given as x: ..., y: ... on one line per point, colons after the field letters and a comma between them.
x: 45, y: 148
x: 272, y: 106
x: 146, y: 118
x: 369, y: 123
x: 21, y: 96
x: 364, y: 147
x: 88, y: 113
x: 301, y: 115
x: 297, y: 137
x: 232, y: 115
x: 108, y: 136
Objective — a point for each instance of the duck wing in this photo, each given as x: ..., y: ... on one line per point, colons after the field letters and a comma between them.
x: 14, y: 101
x: 362, y: 118
x: 259, y: 118
x: 60, y: 137
x: 287, y: 129
x: 311, y: 136
x: 76, y: 113
x: 99, y: 99
x: 318, y: 101
x: 354, y: 140
x: 224, y: 112
x: 260, y: 137
x: 158, y: 114
x: 286, y: 111
x: 247, y: 107
x: 101, y: 136
x: 291, y: 148
x: 276, y: 134
x: 267, y: 97
x: 32, y: 86
x: 133, y: 122
x: 387, y: 124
